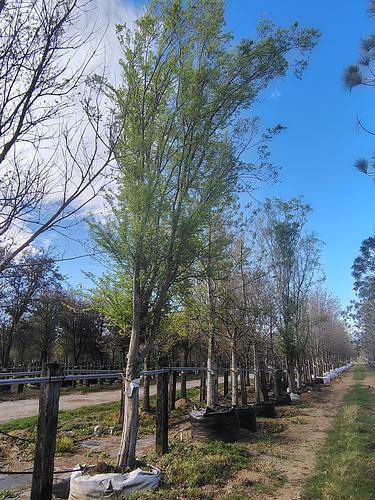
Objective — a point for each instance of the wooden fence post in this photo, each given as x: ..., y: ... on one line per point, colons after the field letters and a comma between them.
x: 161, y: 443
x: 172, y: 390
x: 45, y: 446
x: 226, y: 382
x: 146, y: 387
x: 243, y: 388
x: 202, y: 389
x: 146, y: 394
x: 183, y: 385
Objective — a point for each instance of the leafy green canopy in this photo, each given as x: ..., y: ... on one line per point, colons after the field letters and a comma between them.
x: 180, y: 110
x: 295, y: 264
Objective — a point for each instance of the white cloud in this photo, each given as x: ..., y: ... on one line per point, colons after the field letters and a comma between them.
x: 97, y: 22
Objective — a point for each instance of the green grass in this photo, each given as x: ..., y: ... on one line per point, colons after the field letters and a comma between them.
x: 190, y: 466
x: 346, y: 465
x: 359, y: 373
x: 80, y: 423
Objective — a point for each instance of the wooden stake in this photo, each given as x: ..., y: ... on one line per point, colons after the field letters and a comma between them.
x: 44, y: 456
x: 202, y: 391
x: 226, y: 382
x: 162, y: 414
x: 172, y: 391
x: 183, y: 386
x: 146, y: 387
x: 243, y: 388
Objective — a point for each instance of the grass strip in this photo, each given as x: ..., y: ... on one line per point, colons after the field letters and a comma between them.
x: 346, y: 464
x: 80, y: 423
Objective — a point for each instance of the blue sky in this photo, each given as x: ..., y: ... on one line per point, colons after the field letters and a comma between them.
x: 317, y: 150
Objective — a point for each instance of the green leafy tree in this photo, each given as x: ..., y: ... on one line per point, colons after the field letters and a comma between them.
x: 294, y: 261
x: 21, y: 285
x: 185, y: 84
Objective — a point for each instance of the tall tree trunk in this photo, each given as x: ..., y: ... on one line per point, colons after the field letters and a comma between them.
x: 8, y: 344
x: 290, y: 372
x: 211, y: 357
x: 256, y: 375
x: 299, y: 373
x: 233, y: 371
x: 126, y: 457
x: 183, y: 374
x: 263, y: 377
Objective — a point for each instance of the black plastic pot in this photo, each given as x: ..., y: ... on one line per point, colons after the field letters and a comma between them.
x: 215, y: 425
x: 266, y: 409
x: 283, y: 400
x: 247, y: 416
x: 319, y: 380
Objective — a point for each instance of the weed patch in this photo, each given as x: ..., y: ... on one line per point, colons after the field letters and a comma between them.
x: 64, y: 444
x: 191, y: 466
x: 4, y: 494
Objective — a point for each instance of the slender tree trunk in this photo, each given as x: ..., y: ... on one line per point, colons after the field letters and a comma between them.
x: 183, y: 374
x: 126, y: 457
x: 277, y: 389
x: 256, y: 375
x: 233, y: 371
x: 290, y: 372
x: 299, y: 373
x: 263, y: 377
x: 211, y: 358
x: 243, y: 388
x: 8, y: 345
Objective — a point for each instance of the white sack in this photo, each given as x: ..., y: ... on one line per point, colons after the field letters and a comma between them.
x: 294, y: 397
x: 85, y: 487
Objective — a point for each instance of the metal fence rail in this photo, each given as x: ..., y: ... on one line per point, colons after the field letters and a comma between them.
x: 18, y: 378
x: 39, y: 372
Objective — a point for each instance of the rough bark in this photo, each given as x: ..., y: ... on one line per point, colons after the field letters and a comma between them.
x: 263, y: 377
x: 290, y: 372
x: 126, y: 457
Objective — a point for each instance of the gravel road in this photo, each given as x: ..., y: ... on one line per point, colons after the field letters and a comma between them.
x: 10, y: 410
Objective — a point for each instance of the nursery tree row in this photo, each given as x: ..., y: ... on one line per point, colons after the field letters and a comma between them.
x: 194, y: 275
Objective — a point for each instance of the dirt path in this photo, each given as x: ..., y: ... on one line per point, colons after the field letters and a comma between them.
x: 10, y: 410
x: 283, y: 463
